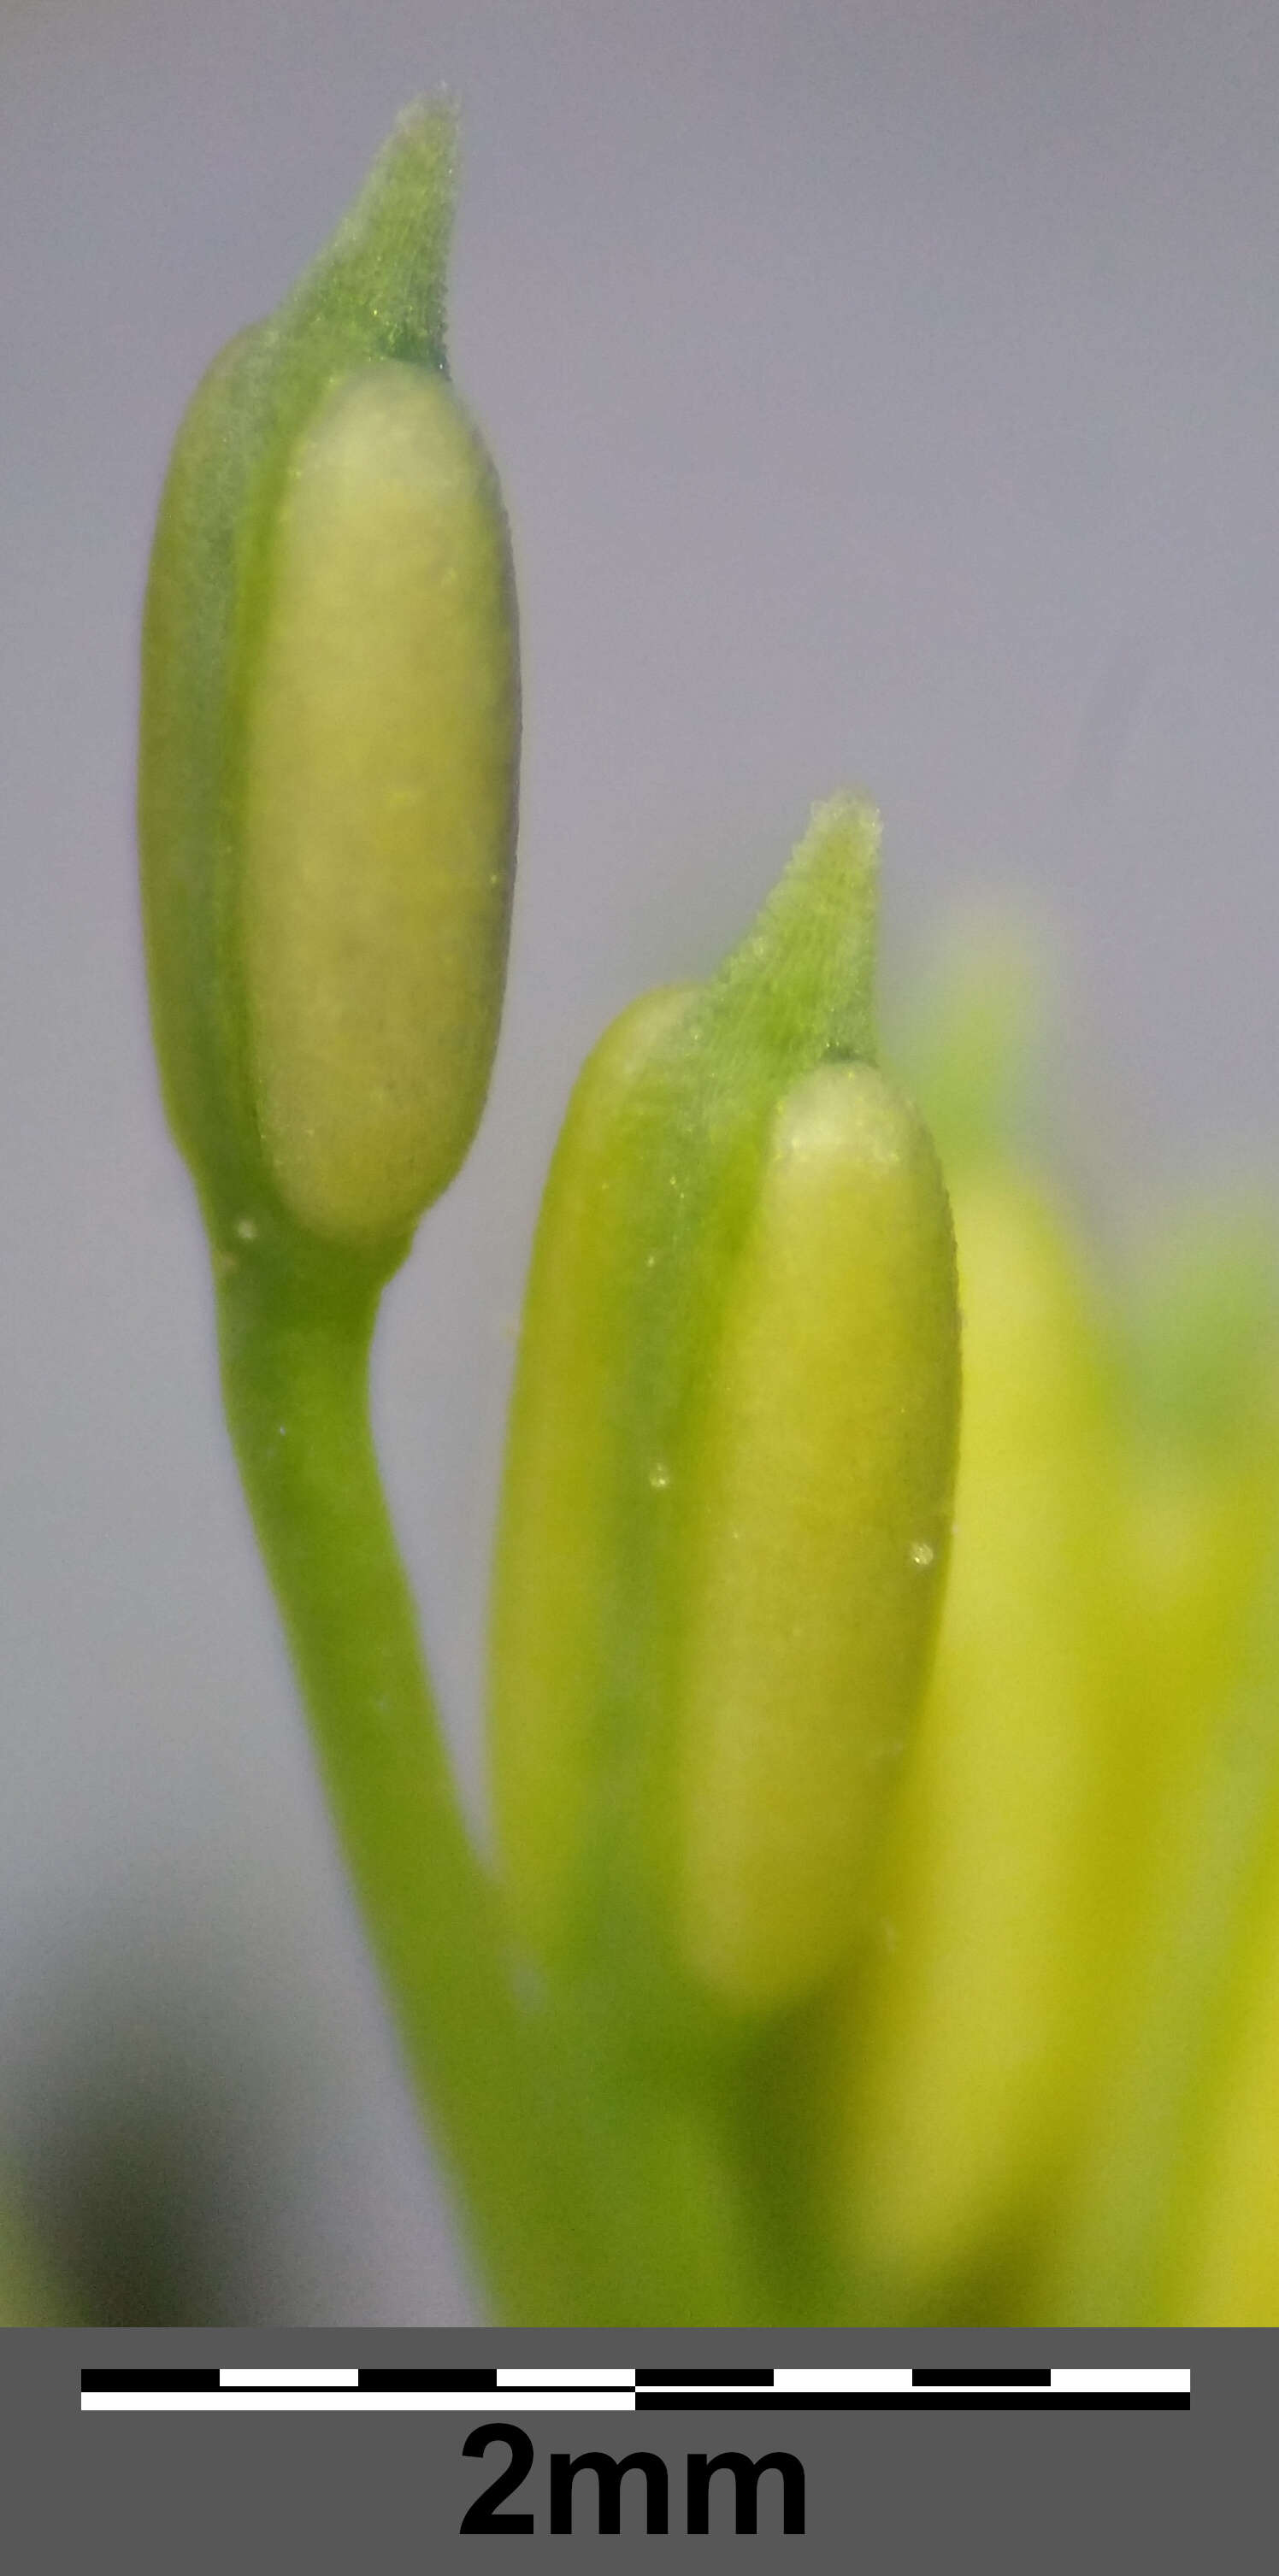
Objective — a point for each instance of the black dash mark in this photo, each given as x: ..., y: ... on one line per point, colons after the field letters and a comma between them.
x: 992, y: 2378
x: 428, y: 2382
x: 154, y: 2383
x: 703, y: 2379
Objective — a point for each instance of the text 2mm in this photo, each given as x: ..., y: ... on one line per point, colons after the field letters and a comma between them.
x: 736, y: 2479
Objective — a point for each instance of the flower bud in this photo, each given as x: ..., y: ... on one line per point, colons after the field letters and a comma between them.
x: 1172, y: 2212
x: 1205, y: 1360
x: 971, y: 2026
x: 727, y: 1489
x: 818, y: 1534
x: 329, y: 744
x: 1223, y: 2268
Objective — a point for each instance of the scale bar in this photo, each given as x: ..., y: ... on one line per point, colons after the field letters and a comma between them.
x: 854, y: 2399
x: 610, y: 2391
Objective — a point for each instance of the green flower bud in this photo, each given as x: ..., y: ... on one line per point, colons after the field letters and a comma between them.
x: 329, y: 744
x: 727, y: 1491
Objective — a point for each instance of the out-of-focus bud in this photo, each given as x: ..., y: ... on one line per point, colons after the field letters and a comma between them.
x: 972, y: 2026
x: 1222, y: 2266
x: 1171, y: 2214
x: 1205, y: 1370
x: 727, y: 1495
x: 329, y: 744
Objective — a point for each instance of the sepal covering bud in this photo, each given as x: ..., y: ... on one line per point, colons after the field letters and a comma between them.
x: 727, y: 1494
x: 329, y: 744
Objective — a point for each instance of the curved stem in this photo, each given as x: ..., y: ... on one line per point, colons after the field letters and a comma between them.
x: 294, y: 1354
x: 590, y: 2202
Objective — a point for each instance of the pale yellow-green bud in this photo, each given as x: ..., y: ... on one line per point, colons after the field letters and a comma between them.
x: 819, y: 1532
x: 378, y: 799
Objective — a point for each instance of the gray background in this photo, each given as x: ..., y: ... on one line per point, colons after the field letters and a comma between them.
x: 883, y: 394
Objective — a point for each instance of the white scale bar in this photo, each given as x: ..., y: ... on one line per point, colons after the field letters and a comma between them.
x: 289, y: 2378
x: 1097, y: 2383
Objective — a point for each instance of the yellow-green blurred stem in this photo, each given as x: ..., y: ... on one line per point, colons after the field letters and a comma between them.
x: 295, y: 1380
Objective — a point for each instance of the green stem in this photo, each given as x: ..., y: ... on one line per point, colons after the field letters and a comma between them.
x: 588, y: 2205
x: 295, y: 1377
